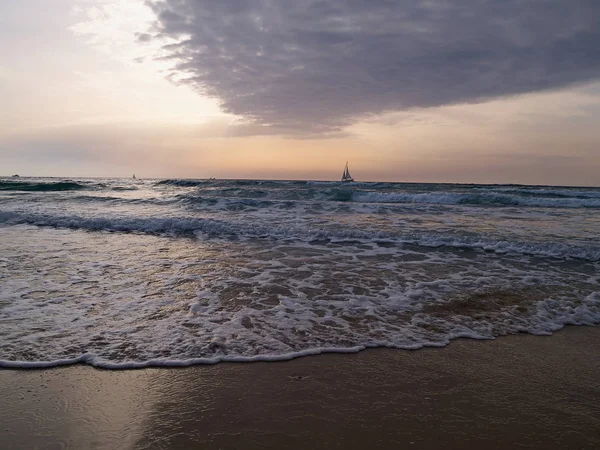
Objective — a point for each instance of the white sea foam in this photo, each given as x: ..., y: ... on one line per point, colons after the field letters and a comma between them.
x: 158, y: 305
x: 204, y: 227
x: 179, y: 274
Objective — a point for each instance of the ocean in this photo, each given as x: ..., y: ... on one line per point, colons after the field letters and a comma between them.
x: 123, y: 273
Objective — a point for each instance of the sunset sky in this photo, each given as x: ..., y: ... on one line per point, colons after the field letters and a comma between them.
x: 482, y: 91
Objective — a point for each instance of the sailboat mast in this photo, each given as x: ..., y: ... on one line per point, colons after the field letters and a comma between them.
x: 346, y: 175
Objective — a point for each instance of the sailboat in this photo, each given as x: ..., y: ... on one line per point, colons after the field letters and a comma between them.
x: 133, y: 176
x: 346, y: 177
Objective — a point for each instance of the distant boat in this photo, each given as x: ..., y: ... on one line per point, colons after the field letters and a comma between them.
x: 346, y: 177
x: 15, y: 176
x: 134, y: 176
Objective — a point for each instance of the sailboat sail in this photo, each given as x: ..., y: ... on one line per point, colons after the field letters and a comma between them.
x: 346, y: 175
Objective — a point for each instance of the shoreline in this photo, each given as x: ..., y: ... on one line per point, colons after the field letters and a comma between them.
x: 534, y: 392
x: 82, y: 360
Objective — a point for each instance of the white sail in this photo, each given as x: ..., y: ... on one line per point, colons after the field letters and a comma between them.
x: 346, y: 175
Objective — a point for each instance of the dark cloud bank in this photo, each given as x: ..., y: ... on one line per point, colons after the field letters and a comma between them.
x: 313, y: 66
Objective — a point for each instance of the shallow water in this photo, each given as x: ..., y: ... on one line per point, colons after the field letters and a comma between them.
x: 129, y: 273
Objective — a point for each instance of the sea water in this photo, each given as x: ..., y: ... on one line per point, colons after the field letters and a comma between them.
x: 125, y: 273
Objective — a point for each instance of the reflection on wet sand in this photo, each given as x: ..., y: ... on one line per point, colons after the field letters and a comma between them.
x: 518, y: 391
x: 75, y: 407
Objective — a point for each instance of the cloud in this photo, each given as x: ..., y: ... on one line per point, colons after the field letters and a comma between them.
x: 312, y: 66
x: 143, y: 37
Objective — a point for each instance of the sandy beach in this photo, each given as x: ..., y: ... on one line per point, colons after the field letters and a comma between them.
x: 514, y: 392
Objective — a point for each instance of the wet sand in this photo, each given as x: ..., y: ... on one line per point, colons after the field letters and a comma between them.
x: 525, y: 392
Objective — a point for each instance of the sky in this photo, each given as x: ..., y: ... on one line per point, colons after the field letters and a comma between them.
x: 474, y: 91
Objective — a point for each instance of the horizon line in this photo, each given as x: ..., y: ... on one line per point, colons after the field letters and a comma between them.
x: 296, y: 179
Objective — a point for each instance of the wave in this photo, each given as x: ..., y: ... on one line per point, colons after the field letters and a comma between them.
x: 204, y: 227
x: 434, y: 194
x: 119, y: 200
x: 482, y: 199
x: 547, y: 192
x: 182, y: 183
x: 588, y: 319
x: 41, y: 186
x: 95, y: 361
x: 124, y: 188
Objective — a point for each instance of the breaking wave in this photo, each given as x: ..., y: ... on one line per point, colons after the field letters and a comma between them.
x: 182, y: 183
x: 42, y: 187
x: 484, y: 199
x: 182, y: 272
x: 204, y: 227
